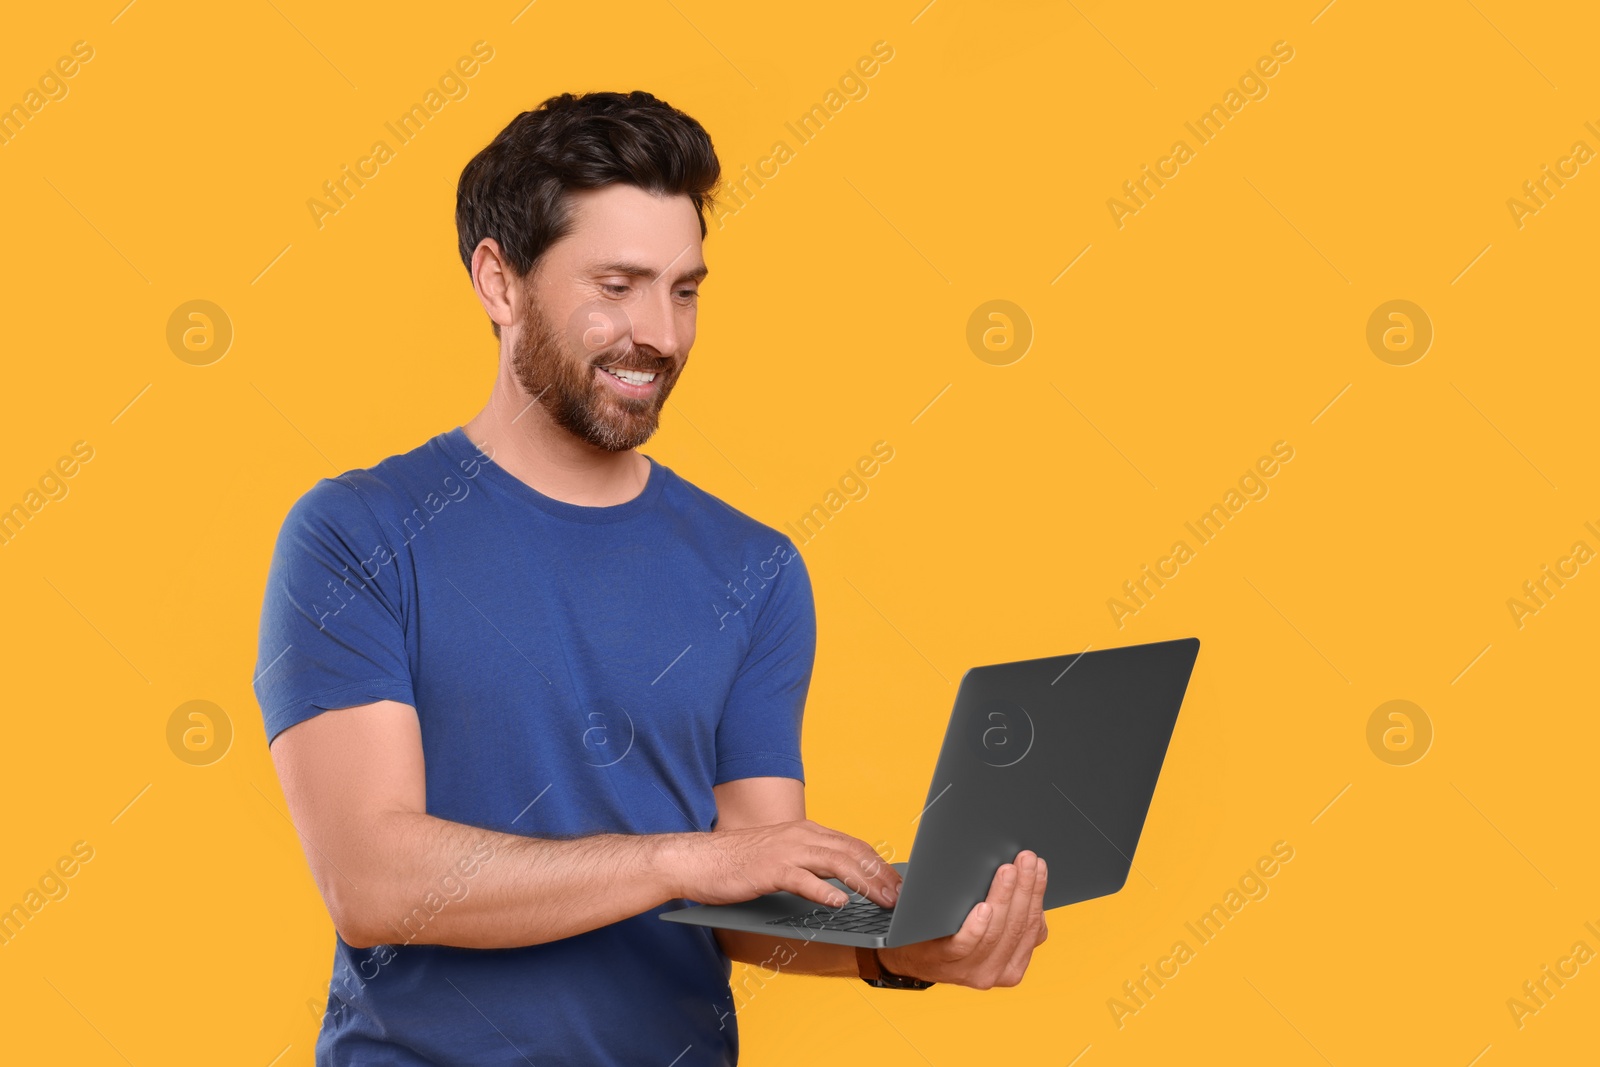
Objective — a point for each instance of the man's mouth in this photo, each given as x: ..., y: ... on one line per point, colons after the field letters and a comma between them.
x: 629, y: 382
x: 633, y: 377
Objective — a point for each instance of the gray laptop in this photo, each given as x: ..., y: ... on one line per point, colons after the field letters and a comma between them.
x: 1058, y: 755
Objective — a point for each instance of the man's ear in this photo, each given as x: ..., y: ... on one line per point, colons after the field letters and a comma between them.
x: 495, y: 282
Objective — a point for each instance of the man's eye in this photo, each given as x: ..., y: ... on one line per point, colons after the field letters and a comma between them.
x: 617, y: 289
x: 689, y: 294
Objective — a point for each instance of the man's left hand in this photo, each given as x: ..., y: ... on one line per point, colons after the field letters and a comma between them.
x: 995, y: 943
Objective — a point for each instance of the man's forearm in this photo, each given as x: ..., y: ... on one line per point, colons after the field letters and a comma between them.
x: 790, y: 955
x: 418, y: 879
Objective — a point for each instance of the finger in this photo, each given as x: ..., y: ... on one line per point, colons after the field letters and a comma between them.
x: 1037, y: 906
x: 965, y: 941
x: 1001, y: 891
x: 803, y: 883
x: 1030, y: 937
x: 863, y: 870
x: 1030, y: 898
x: 875, y: 877
x: 1014, y: 971
x: 1019, y: 916
x: 828, y: 862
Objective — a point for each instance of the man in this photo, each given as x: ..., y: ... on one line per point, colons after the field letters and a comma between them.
x: 525, y: 687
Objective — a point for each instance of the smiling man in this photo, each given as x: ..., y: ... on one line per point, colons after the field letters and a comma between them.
x: 512, y: 712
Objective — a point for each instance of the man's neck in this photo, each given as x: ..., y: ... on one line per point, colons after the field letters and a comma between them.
x: 520, y: 437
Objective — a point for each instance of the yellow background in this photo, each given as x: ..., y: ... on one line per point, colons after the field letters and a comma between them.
x: 1223, y: 317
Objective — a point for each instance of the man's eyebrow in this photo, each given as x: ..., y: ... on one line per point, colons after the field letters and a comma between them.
x: 639, y: 270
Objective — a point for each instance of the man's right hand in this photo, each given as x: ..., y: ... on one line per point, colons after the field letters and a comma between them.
x: 729, y: 866
x: 378, y: 856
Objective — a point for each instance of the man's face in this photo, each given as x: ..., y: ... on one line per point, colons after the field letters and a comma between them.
x: 609, y: 315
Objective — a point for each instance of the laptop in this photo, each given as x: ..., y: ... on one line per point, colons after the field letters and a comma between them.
x: 1059, y: 755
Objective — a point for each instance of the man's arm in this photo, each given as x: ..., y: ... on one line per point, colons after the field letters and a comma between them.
x: 354, y: 781
x: 757, y: 802
x: 993, y: 947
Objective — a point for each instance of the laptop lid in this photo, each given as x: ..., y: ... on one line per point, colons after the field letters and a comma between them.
x: 1059, y: 755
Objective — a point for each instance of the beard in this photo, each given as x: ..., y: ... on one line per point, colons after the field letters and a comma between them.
x: 559, y: 374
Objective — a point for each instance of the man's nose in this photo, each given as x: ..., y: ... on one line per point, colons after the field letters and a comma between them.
x: 655, y: 320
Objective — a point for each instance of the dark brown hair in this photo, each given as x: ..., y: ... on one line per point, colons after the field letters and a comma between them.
x: 515, y: 189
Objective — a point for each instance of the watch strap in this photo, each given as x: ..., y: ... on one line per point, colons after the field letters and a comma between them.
x: 870, y: 966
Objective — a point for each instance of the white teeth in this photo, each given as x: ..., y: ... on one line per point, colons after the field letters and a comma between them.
x: 632, y: 377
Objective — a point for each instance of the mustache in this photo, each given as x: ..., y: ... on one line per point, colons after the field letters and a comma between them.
x: 636, y: 361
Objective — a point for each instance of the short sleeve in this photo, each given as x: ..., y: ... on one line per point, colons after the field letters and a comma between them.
x: 333, y: 629
x: 759, y: 733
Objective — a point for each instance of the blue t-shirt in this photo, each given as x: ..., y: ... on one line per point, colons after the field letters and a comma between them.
x: 575, y: 670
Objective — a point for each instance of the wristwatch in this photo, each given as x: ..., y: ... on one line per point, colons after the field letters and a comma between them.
x: 874, y: 973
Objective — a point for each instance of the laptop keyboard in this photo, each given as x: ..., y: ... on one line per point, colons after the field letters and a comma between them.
x: 857, y: 917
